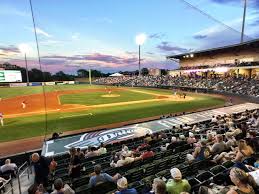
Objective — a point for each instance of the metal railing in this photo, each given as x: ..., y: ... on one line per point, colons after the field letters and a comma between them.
x: 21, y: 170
x: 3, y: 187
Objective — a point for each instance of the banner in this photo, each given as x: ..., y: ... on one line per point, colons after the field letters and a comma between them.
x: 50, y: 83
x: 10, y: 76
x: 18, y: 84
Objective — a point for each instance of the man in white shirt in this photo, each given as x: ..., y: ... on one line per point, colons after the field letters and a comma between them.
x: 8, y: 166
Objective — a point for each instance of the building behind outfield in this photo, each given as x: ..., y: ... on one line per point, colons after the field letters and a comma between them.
x: 238, y: 59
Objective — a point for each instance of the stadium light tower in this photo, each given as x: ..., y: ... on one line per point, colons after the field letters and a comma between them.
x: 140, y: 40
x: 24, y: 49
x: 244, y: 20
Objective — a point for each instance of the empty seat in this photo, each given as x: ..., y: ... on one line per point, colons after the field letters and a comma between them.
x: 82, y: 181
x: 149, y: 169
x: 134, y: 175
x: 103, y: 188
x: 217, y: 169
x: 228, y: 164
x: 205, y: 176
x: 164, y: 174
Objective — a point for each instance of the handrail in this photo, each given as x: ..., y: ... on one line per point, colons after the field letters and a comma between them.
x: 20, y: 172
x: 7, y: 182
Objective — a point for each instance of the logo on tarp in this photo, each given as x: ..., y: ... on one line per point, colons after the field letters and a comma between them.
x: 94, y: 139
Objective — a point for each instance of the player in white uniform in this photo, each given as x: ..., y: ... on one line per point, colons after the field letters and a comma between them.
x: 2, y: 119
x: 23, y: 105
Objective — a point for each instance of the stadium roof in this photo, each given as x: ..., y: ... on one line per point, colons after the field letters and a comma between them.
x: 234, y: 47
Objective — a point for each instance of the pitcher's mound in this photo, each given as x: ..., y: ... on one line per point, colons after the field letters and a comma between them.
x: 110, y: 95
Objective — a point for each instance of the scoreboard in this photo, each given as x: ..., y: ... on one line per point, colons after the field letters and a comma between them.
x: 10, y: 76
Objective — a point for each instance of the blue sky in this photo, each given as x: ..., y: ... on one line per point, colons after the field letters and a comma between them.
x: 100, y: 33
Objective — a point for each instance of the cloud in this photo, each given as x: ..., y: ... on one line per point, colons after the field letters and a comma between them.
x: 157, y: 36
x: 9, y: 10
x: 8, y: 50
x: 165, y: 46
x: 103, y: 60
x: 255, y: 23
x: 42, y: 32
x: 39, y: 31
x: 199, y: 36
x: 252, y: 3
x: 75, y: 36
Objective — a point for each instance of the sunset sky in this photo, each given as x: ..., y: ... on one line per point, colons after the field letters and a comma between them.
x: 100, y: 34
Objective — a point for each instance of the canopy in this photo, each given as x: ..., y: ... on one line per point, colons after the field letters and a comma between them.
x: 116, y: 75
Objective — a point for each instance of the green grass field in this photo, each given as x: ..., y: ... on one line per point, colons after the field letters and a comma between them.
x: 30, y: 126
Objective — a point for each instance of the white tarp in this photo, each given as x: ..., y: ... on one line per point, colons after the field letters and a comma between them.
x: 116, y: 75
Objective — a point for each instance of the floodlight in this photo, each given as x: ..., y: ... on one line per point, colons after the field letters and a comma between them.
x: 140, y: 39
x: 191, y: 55
x: 24, y: 48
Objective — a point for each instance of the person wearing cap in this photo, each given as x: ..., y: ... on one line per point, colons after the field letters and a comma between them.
x: 122, y: 185
x: 177, y: 184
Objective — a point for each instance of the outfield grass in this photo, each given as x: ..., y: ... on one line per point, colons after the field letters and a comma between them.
x: 25, y: 127
x: 18, y: 91
x: 96, y: 97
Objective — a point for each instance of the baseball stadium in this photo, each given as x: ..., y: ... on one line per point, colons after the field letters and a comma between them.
x: 178, y: 116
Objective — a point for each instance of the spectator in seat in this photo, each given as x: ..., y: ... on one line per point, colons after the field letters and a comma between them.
x: 219, y: 146
x: 147, y: 154
x: 231, y: 141
x: 158, y: 187
x: 92, y: 152
x: 177, y: 184
x: 256, y: 123
x: 80, y: 154
x: 243, y: 152
x: 8, y: 167
x: 124, y: 160
x: 99, y: 177
x: 252, y: 140
x: 122, y: 185
x: 61, y: 188
x: 201, y: 152
x: 240, y: 179
x: 125, y: 151
x: 41, y: 168
x: 191, y: 139
x: 102, y: 149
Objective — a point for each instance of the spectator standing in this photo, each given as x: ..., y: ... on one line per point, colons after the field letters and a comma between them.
x: 41, y: 168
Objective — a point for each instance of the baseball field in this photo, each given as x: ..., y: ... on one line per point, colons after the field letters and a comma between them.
x: 74, y: 107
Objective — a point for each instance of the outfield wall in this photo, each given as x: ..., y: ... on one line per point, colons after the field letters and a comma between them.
x: 11, y: 85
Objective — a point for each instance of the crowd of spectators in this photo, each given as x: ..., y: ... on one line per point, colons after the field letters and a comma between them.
x: 241, y: 85
x: 223, y: 139
x: 237, y: 64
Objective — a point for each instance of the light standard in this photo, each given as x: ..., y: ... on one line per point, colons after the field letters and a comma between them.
x: 140, y: 39
x: 24, y: 49
x: 244, y: 19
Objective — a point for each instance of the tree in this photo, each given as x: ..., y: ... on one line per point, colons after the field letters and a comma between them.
x: 144, y: 71
x: 82, y: 73
x: 164, y: 72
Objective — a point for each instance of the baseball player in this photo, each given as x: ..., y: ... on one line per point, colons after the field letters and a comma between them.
x: 2, y: 119
x: 23, y: 105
